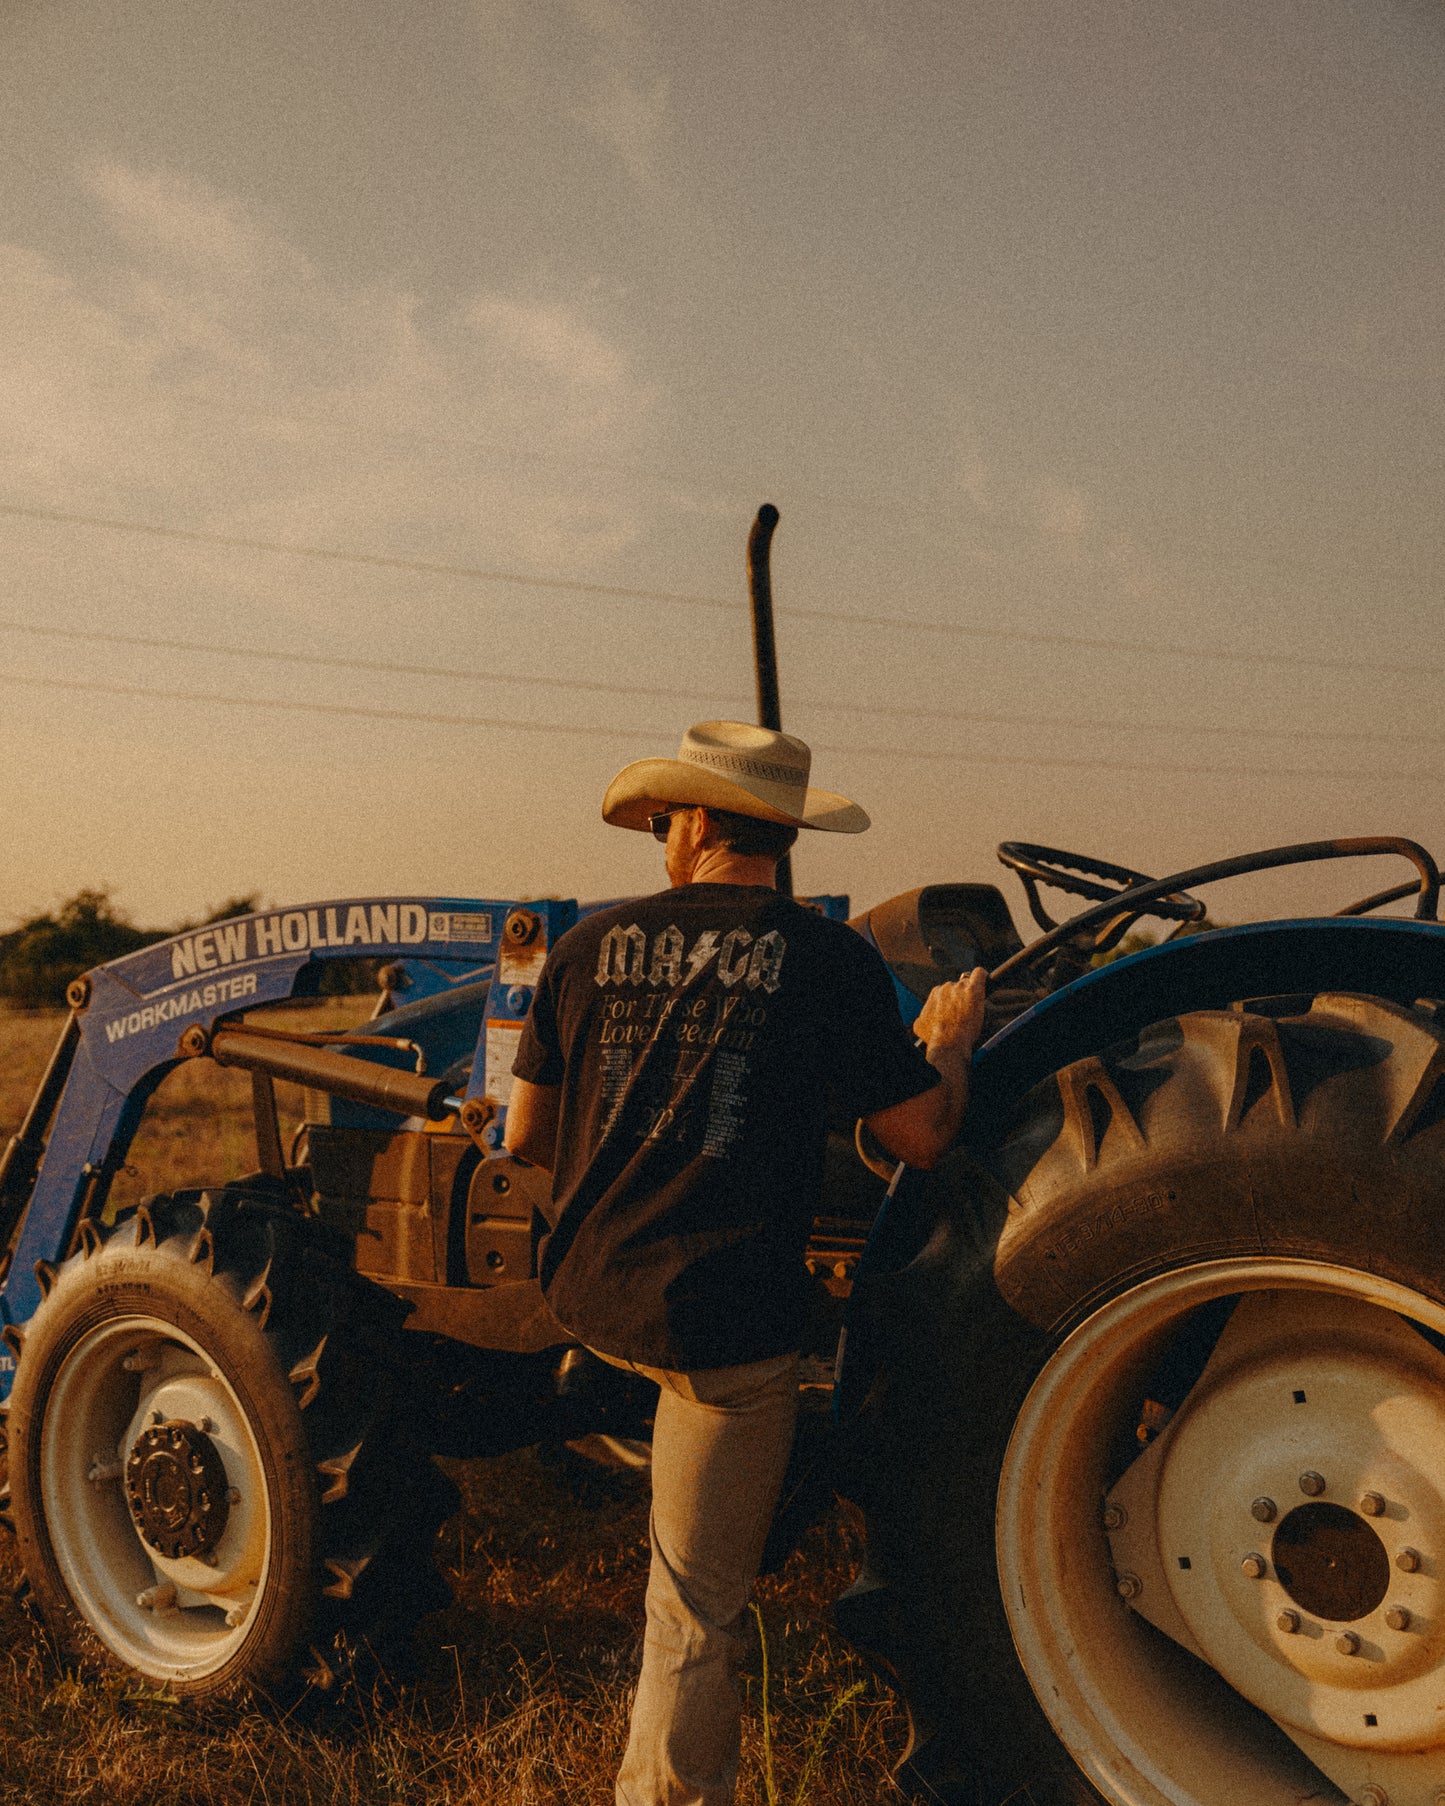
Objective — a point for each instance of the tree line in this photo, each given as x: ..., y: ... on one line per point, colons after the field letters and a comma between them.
x: 41, y: 957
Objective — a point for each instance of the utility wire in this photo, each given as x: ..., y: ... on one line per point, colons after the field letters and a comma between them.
x: 622, y: 593
x: 1151, y: 767
x: 902, y: 507
x: 391, y: 667
x: 427, y: 567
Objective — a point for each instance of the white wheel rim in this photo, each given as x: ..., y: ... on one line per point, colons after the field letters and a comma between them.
x: 108, y: 1392
x: 1148, y: 1723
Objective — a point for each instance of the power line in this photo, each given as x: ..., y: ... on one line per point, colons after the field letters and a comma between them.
x: 331, y: 661
x: 596, y: 686
x: 1150, y: 767
x: 377, y: 560
x: 623, y: 593
x: 902, y: 506
x: 313, y: 708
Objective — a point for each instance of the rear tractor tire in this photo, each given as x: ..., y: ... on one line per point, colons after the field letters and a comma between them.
x: 211, y: 1469
x: 1154, y: 1453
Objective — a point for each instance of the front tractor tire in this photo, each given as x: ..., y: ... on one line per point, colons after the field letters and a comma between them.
x: 210, y: 1466
x: 1153, y: 1456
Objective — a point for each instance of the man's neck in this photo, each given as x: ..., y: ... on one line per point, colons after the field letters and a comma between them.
x: 717, y: 865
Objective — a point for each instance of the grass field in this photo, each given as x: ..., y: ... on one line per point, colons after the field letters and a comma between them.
x: 522, y: 1693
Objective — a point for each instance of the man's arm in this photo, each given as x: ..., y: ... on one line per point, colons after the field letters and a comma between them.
x: 533, y: 1112
x: 922, y: 1128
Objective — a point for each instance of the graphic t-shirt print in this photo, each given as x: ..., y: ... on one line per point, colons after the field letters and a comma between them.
x: 700, y: 1039
x: 698, y: 1010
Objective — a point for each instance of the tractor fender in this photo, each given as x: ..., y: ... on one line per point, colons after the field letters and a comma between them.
x: 1399, y: 960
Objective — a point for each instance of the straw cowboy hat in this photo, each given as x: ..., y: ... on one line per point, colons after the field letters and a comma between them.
x: 734, y: 766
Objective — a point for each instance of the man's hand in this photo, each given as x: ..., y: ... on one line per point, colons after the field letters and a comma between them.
x: 921, y: 1128
x: 952, y: 1016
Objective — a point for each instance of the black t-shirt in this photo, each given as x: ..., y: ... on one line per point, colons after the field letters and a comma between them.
x: 699, y: 1037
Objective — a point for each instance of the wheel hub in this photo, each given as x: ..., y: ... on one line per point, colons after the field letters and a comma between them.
x: 1331, y: 1562
x: 177, y: 1490
x: 1334, y: 1622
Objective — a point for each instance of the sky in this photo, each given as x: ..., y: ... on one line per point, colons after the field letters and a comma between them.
x: 386, y: 391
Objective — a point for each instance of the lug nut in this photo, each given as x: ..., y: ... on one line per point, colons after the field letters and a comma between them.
x: 236, y: 1615
x: 1371, y: 1795
x: 1347, y: 1643
x: 1254, y: 1566
x: 1115, y: 1517
x: 1129, y: 1586
x: 1398, y: 1618
x: 1288, y: 1622
x: 1263, y: 1509
x: 233, y: 1495
x: 1311, y: 1483
x: 1409, y: 1560
x: 159, y: 1598
x: 1373, y: 1505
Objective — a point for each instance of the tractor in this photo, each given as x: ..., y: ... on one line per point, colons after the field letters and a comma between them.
x: 1141, y: 1391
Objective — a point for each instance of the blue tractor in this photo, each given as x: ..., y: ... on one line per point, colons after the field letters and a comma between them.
x: 1141, y: 1390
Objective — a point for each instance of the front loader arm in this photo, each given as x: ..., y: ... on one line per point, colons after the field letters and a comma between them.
x: 135, y: 1019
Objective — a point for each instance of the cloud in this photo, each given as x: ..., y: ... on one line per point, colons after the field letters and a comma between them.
x: 593, y: 62
x: 553, y: 339
x: 629, y: 118
x: 1021, y: 519
x: 160, y: 210
x: 872, y: 35
x: 1062, y: 511
x: 207, y: 373
x: 1026, y: 506
x: 976, y: 481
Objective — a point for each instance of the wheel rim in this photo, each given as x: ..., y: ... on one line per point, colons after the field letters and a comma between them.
x: 1260, y: 1588
x: 140, y: 1429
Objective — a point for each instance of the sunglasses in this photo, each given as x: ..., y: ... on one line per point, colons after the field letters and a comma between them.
x: 660, y: 823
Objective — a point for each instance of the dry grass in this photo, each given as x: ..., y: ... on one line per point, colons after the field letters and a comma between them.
x: 27, y: 1039
x: 197, y: 1127
x: 523, y: 1690
x: 522, y: 1699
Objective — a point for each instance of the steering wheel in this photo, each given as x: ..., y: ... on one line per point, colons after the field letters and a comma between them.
x: 1083, y: 876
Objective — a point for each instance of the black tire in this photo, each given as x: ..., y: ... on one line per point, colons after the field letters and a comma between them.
x: 229, y: 1310
x: 1294, y: 1143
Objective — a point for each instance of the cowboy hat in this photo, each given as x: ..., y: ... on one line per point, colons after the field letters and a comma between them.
x: 733, y: 766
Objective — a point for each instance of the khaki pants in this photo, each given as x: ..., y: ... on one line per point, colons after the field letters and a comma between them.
x: 720, y: 1446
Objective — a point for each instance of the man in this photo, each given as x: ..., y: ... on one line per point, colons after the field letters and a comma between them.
x: 675, y: 1075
